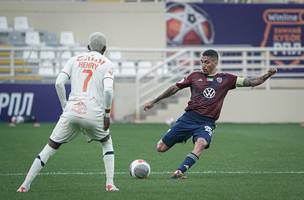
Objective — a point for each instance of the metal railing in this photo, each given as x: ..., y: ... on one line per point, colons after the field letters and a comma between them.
x: 152, y: 69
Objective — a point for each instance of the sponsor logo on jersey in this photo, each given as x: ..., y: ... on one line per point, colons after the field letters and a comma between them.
x: 209, y: 93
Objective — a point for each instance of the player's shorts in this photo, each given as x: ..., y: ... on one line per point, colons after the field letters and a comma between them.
x: 67, y: 128
x: 190, y: 124
x: 80, y: 117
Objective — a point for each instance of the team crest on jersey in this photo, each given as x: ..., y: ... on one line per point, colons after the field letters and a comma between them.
x: 219, y: 79
x: 209, y: 92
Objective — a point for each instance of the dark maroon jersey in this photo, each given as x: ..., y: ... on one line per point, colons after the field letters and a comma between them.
x: 207, y: 92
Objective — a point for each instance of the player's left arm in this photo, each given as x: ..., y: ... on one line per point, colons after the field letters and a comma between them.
x: 255, y: 81
x: 108, y: 92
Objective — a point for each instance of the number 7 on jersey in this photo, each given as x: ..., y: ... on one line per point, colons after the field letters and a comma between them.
x: 88, y: 78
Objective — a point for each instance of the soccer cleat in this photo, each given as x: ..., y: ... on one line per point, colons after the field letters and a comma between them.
x: 22, y: 189
x: 111, y: 188
x: 178, y: 174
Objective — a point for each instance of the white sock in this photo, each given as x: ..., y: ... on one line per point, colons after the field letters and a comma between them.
x: 108, y: 159
x: 38, y: 164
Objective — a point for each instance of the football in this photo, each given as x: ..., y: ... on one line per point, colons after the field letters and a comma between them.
x: 140, y: 169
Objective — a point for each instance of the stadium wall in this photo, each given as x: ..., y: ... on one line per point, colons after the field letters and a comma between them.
x: 241, y: 105
x: 124, y: 24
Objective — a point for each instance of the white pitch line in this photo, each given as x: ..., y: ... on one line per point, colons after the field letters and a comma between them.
x: 164, y: 172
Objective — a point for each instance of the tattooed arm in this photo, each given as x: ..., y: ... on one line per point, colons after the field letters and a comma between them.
x: 169, y: 92
x: 255, y: 81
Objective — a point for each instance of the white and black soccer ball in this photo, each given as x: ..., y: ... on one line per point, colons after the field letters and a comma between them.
x: 140, y: 169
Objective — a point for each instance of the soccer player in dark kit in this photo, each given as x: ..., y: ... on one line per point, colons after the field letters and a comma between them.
x: 208, y: 91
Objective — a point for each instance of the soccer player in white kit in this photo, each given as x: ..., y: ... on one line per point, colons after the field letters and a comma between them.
x: 87, y: 110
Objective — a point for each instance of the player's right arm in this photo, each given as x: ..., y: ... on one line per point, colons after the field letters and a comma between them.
x: 185, y: 82
x: 61, y: 79
x: 60, y: 89
x: 167, y: 93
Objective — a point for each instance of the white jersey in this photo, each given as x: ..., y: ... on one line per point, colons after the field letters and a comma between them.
x: 87, y: 72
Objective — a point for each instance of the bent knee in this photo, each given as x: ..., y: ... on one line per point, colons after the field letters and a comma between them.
x: 201, y: 142
x: 161, y: 147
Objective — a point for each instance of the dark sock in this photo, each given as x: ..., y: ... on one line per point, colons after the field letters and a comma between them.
x: 188, y: 162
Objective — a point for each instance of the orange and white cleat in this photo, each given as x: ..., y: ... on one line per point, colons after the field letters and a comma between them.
x: 23, y: 189
x: 178, y: 174
x: 111, y: 188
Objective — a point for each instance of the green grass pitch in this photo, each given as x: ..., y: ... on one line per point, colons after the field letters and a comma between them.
x: 245, y: 161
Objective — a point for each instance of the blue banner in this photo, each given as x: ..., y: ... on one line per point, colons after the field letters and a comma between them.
x: 39, y: 100
x: 234, y: 24
x: 258, y: 25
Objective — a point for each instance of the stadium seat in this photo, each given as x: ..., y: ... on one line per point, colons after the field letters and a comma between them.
x: 46, y: 69
x: 67, y: 38
x: 128, y: 68
x: 16, y: 39
x: 46, y: 65
x: 3, y: 24
x: 30, y: 56
x: 144, y: 67
x: 49, y: 39
x: 163, y: 71
x: 65, y: 55
x: 117, y: 68
x: 47, y: 54
x: 32, y: 38
x: 21, y: 23
x: 115, y: 55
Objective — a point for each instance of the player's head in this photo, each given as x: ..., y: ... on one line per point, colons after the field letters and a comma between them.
x: 97, y: 42
x: 209, y: 60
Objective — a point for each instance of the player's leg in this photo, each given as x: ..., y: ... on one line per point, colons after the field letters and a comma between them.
x: 192, y: 157
x: 175, y: 134
x: 201, y: 139
x: 93, y: 130
x: 39, y: 162
x: 62, y: 133
x: 161, y: 146
x: 108, y: 159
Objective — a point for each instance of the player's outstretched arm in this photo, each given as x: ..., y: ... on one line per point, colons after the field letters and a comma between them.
x: 169, y: 92
x: 255, y: 81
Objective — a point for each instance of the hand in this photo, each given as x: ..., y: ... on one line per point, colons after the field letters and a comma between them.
x: 148, y: 105
x: 272, y: 71
x: 106, y: 123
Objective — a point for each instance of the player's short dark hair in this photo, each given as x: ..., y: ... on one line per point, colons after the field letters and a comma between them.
x: 211, y: 53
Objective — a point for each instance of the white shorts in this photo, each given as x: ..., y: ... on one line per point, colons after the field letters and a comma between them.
x: 68, y: 127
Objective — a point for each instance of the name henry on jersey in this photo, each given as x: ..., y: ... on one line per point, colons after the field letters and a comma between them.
x: 89, y: 62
